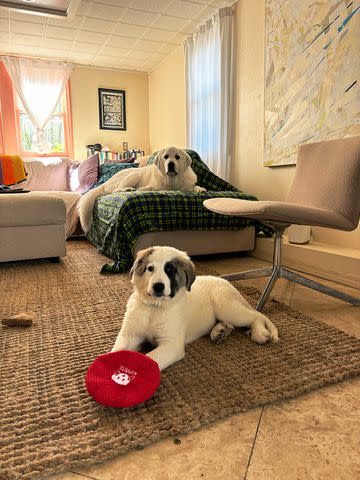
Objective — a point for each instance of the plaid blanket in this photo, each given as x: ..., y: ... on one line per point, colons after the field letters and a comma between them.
x: 120, y: 218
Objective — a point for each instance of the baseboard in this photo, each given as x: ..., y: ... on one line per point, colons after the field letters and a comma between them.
x: 340, y: 265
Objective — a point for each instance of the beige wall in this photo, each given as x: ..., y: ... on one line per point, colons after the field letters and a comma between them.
x: 248, y: 172
x: 84, y: 84
x: 167, y: 103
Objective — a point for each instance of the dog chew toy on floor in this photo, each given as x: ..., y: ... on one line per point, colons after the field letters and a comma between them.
x: 122, y: 379
x: 19, y: 320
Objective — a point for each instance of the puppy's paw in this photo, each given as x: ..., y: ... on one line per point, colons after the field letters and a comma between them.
x: 260, y: 334
x: 220, y: 331
x: 198, y: 189
x: 145, y: 189
x: 127, y: 189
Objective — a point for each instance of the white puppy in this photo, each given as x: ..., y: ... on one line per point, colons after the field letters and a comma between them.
x: 170, y: 307
x: 171, y: 170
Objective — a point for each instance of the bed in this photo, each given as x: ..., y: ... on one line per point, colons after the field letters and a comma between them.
x: 125, y: 222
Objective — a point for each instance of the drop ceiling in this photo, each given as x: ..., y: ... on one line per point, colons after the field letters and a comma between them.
x: 120, y: 34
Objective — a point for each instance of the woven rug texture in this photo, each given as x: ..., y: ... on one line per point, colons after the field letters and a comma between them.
x: 48, y: 423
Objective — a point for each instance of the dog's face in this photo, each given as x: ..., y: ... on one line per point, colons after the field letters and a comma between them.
x: 159, y: 273
x: 172, y: 161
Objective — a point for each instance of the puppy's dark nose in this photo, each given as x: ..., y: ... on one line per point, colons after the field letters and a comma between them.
x: 158, y: 288
x: 171, y: 168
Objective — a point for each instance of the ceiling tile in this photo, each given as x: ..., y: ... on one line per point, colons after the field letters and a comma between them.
x: 54, y: 53
x: 106, y: 12
x: 117, y: 41
x: 114, y: 51
x: 101, y: 26
x: 81, y: 57
x: 4, y: 25
x: 178, y: 38
x: 138, y: 54
x: 84, y: 7
x: 85, y: 47
x: 92, y: 37
x: 156, y: 6
x: 155, y: 34
x: 129, y: 30
x: 158, y: 57
x: 57, y: 43
x: 107, y: 61
x: 170, y: 23
x: 183, y: 9
x: 28, y: 28
x: 190, y: 27
x: 31, y: 40
x: 58, y: 32
x: 147, y: 46
x: 23, y: 49
x: 168, y: 48
x: 129, y: 64
x: 74, y: 22
x: 137, y: 17
x: 28, y: 17
x: 205, y: 13
x: 4, y: 37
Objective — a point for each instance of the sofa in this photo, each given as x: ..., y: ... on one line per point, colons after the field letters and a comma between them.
x: 36, y: 224
x: 56, y: 185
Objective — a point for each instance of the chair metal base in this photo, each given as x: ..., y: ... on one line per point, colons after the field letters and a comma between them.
x: 277, y: 271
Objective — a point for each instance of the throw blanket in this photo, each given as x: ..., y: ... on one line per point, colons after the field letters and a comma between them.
x: 120, y: 218
x: 12, y: 170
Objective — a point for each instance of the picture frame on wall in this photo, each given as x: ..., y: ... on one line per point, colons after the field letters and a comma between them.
x: 112, y: 109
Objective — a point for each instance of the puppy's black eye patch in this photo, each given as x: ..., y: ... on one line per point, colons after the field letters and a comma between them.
x: 170, y: 269
x: 177, y: 157
x: 150, y: 268
x: 166, y: 157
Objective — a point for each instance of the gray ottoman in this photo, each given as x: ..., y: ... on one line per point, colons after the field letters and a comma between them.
x: 31, y: 226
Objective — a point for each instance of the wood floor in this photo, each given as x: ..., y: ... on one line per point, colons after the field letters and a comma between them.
x: 315, y: 436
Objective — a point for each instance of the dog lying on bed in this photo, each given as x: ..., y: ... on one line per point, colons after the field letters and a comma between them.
x: 171, y: 170
x: 171, y: 307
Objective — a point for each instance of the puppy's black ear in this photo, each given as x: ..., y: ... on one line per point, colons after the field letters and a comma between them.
x: 189, y: 270
x: 140, y: 263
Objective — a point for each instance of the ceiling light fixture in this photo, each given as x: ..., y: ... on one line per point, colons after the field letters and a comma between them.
x: 53, y: 8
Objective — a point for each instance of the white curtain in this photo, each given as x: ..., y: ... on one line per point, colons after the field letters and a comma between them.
x: 39, y: 85
x: 210, y: 69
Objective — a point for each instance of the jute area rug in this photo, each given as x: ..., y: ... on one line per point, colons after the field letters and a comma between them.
x: 49, y: 423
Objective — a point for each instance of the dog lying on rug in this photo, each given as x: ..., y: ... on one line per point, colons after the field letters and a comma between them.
x: 171, y: 307
x: 171, y: 170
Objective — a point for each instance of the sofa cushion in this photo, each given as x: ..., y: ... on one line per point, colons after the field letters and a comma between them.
x: 49, y: 173
x: 71, y: 200
x: 83, y: 175
x: 21, y: 209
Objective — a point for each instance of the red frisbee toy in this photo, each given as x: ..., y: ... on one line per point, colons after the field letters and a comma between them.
x: 122, y: 379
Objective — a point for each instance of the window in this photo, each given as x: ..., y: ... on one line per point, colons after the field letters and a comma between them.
x: 16, y: 137
x: 56, y: 129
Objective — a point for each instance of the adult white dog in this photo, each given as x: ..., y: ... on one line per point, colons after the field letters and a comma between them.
x: 171, y: 170
x: 171, y: 307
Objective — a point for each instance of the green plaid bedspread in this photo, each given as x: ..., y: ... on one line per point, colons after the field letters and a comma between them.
x: 120, y: 218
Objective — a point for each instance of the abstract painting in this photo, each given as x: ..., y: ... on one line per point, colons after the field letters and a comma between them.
x: 312, y: 74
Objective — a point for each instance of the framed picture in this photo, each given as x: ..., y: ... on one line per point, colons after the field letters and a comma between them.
x: 112, y: 110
